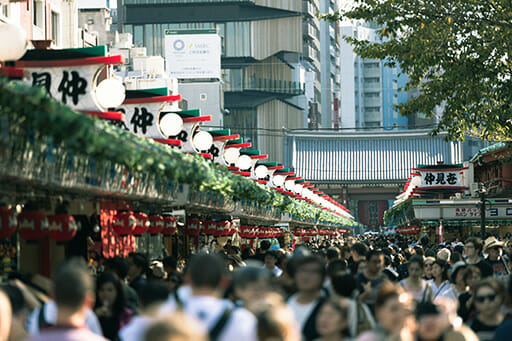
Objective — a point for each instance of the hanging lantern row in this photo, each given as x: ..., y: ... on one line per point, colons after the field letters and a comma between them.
x: 210, y: 227
x: 409, y: 230
x: 128, y: 223
x: 260, y: 232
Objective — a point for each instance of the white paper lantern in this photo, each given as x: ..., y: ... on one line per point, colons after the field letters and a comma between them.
x: 244, y: 162
x: 278, y: 180
x: 289, y: 185
x: 13, y: 40
x: 171, y: 124
x: 202, y: 140
x: 261, y: 171
x: 110, y: 93
x: 231, y: 155
x: 298, y: 189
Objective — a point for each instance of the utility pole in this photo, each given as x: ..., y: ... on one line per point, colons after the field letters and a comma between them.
x: 482, y: 191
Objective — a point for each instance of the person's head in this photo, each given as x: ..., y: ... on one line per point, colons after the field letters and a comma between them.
x: 440, y: 270
x: 415, y: 267
x: 493, y: 247
x: 457, y: 275
x: 139, y: 265
x: 343, y: 284
x: 359, y: 251
x: 250, y: 283
x: 170, y: 264
x: 247, y: 253
x: 5, y: 316
x: 177, y: 327
x: 418, y: 250
x: 361, y: 266
x: 271, y: 258
x: 508, y: 247
x: 16, y: 299
x: 392, y: 307
x: 472, y: 276
x: 276, y: 321
x: 109, y: 293
x: 332, y: 319
x: 488, y: 297
x: 428, y: 317
x: 118, y: 266
x: 152, y: 294
x: 443, y: 254
x: 473, y: 247
x: 309, y: 273
x: 265, y: 246
x: 73, y: 287
x: 375, y: 261
x: 173, y: 280
x: 427, y: 266
x: 345, y: 252
x: 335, y: 266
x: 332, y: 253
x: 455, y: 257
x: 206, y: 271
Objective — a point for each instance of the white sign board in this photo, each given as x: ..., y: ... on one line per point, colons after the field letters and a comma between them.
x: 440, y: 179
x: 193, y: 54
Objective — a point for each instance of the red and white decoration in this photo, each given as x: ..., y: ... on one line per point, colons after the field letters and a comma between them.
x: 124, y: 223
x: 141, y: 223
x: 169, y: 226
x: 32, y: 225
x: 62, y: 227
x: 156, y: 224
x: 8, y: 222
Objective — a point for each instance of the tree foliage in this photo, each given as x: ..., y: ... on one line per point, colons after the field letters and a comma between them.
x: 457, y: 53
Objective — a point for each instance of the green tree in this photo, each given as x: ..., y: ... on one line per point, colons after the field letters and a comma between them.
x: 457, y: 53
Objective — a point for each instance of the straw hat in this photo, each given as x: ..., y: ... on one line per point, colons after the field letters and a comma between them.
x: 492, y: 242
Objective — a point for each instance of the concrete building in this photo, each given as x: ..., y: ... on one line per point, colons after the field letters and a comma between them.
x: 330, y: 67
x: 262, y: 68
x: 48, y: 23
x: 369, y: 88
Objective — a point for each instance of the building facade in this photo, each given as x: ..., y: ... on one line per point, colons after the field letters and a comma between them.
x: 263, y: 77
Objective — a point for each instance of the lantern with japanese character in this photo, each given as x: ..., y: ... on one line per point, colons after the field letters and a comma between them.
x: 124, y: 223
x: 62, y: 227
x: 8, y: 222
x: 210, y: 227
x: 32, y: 225
x: 141, y: 223
x: 169, y: 226
x: 156, y: 224
x: 193, y: 225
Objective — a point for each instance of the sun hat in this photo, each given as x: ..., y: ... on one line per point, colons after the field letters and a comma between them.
x: 492, y: 242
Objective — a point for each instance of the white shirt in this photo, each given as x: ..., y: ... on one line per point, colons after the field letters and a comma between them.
x: 301, y: 311
x: 50, y: 317
x: 444, y: 290
x: 241, y: 325
x: 135, y: 329
x: 169, y: 306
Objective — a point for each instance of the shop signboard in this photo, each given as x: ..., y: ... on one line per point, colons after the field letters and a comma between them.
x: 461, y: 209
x: 193, y: 54
x: 432, y: 178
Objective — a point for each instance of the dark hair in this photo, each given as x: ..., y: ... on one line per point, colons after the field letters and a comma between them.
x: 417, y: 259
x: 206, y: 270
x: 170, y: 262
x: 118, y: 265
x: 140, y: 260
x: 15, y: 297
x: 341, y: 309
x: 456, y: 270
x: 250, y: 274
x: 335, y: 266
x: 273, y: 254
x: 419, y: 250
x: 72, y: 282
x: 360, y: 248
x: 470, y: 271
x: 444, y: 268
x: 343, y: 284
x: 387, y: 260
x: 477, y: 243
x: 333, y: 253
x: 265, y: 245
x: 119, y: 303
x: 311, y: 260
x: 455, y: 257
x: 372, y: 253
x: 153, y: 292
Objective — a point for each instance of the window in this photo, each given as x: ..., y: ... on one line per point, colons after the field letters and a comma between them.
x: 395, y: 99
x: 37, y: 11
x: 395, y: 84
x: 4, y: 10
x: 372, y: 94
x: 90, y: 21
x: 371, y: 80
x: 55, y: 22
x: 374, y: 124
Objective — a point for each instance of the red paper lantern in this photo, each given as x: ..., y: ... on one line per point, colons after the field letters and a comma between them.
x: 156, y: 224
x: 210, y: 227
x: 169, y: 226
x: 192, y: 227
x: 8, y: 222
x: 141, y: 223
x: 62, y: 227
x: 32, y: 225
x: 124, y: 223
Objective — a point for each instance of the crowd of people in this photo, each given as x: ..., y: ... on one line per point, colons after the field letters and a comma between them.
x: 376, y: 287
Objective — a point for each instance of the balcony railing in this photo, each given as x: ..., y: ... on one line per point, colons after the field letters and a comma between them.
x: 266, y: 85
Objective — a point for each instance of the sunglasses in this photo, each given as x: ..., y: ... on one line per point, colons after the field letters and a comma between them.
x: 481, y: 299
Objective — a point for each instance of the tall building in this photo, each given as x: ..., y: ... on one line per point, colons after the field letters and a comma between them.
x: 330, y: 66
x: 369, y: 87
x: 262, y: 71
